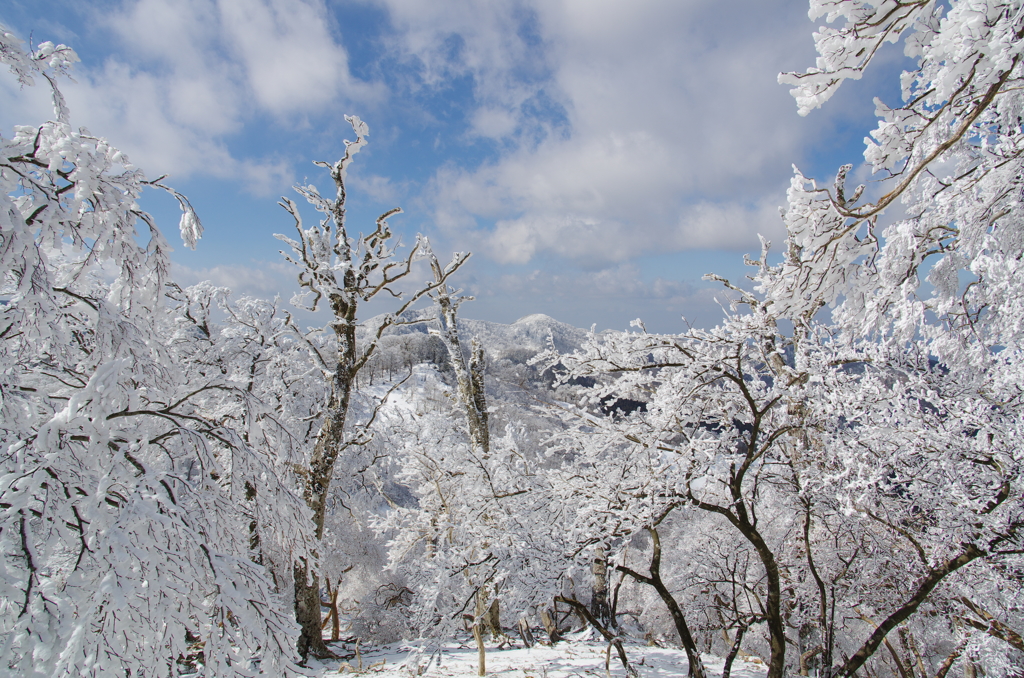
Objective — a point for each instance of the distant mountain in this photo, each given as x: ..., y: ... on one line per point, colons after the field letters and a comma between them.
x: 526, y: 335
x: 530, y: 333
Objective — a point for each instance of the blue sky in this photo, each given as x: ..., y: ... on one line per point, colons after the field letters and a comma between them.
x: 596, y: 157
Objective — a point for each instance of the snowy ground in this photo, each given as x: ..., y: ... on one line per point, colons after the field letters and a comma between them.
x: 573, y: 658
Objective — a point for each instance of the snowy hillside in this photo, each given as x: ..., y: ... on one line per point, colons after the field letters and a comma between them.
x: 530, y: 332
x: 527, y: 335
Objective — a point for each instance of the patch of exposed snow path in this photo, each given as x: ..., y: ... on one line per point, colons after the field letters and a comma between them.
x: 568, y: 659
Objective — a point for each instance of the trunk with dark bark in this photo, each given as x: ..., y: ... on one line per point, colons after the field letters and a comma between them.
x: 696, y: 669
x: 599, y: 593
x: 525, y: 633
x: 492, y: 619
x: 773, y: 604
x: 329, y: 444
x: 925, y: 585
x: 307, y: 614
x: 547, y: 620
x: 612, y: 639
x: 734, y: 649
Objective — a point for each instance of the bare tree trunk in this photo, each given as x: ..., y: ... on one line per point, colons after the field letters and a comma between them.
x: 599, y: 593
x: 329, y: 444
x: 332, y: 614
x: 827, y: 639
x: 612, y: 639
x: 737, y: 514
x: 613, y: 609
x: 696, y: 669
x: 492, y: 619
x: 773, y: 609
x: 336, y: 627
x: 548, y: 621
x: 734, y: 650
x: 307, y: 614
x: 481, y: 651
x: 478, y: 634
x: 525, y: 633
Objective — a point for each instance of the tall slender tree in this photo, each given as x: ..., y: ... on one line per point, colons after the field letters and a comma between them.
x: 344, y: 271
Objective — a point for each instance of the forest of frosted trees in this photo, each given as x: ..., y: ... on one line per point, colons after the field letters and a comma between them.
x: 830, y: 479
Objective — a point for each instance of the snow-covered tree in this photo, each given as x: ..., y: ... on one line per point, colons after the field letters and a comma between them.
x: 123, y: 521
x: 883, y: 442
x: 344, y: 271
x: 715, y: 435
x: 933, y: 298
x: 951, y: 153
x: 484, y: 525
x: 262, y: 382
x: 480, y: 522
x: 469, y: 373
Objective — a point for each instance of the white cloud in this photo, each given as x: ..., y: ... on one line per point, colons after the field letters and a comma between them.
x: 22, y: 105
x: 678, y: 134
x: 291, y: 61
x: 584, y: 237
x: 731, y: 225
x: 495, y: 123
x: 612, y: 296
x: 260, y: 279
x: 381, y: 189
x: 491, y: 42
x: 621, y: 128
x: 198, y: 72
x: 621, y: 281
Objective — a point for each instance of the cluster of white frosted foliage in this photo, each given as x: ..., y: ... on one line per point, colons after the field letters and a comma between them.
x: 938, y: 293
x: 134, y: 476
x: 951, y: 153
x: 871, y: 463
x: 481, y: 522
